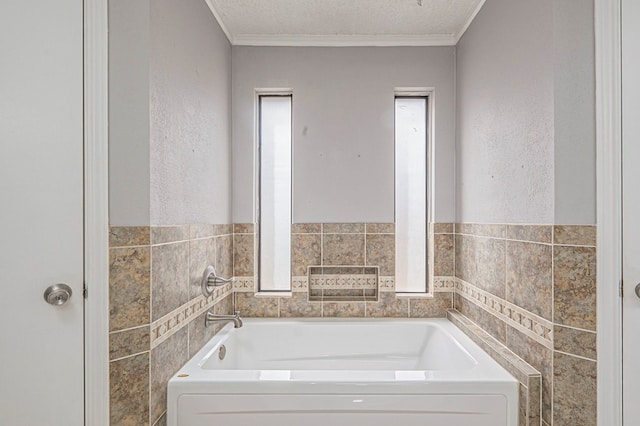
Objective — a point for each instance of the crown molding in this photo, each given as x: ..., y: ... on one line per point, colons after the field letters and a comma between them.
x: 343, y: 40
x: 469, y: 20
x: 218, y: 17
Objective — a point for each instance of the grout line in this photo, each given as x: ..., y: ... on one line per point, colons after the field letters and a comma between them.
x: 131, y: 356
x: 156, y: 422
x: 129, y: 329
x: 127, y: 247
x: 575, y: 328
x: 576, y: 356
x: 553, y: 319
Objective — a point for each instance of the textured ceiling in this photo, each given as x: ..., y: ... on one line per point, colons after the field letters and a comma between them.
x: 344, y: 22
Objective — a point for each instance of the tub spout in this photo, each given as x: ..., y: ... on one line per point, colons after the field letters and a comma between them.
x: 211, y: 318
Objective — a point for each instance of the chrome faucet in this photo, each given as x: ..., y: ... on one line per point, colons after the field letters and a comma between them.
x: 211, y: 318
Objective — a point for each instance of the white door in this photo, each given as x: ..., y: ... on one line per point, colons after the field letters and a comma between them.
x: 631, y: 209
x: 41, y: 212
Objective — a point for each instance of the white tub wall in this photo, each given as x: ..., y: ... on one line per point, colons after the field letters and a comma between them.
x: 342, y: 126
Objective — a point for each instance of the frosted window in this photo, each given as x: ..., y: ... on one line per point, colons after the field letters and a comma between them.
x: 275, y: 193
x: 411, y: 194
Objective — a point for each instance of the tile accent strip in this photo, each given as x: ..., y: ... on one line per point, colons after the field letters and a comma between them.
x: 337, y: 281
x: 444, y: 284
x: 243, y: 284
x: 538, y: 328
x: 169, y: 324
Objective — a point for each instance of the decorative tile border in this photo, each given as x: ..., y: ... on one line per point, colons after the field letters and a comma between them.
x: 444, y: 284
x: 343, y: 282
x: 387, y: 283
x: 243, y: 285
x: 299, y: 284
x: 169, y: 324
x: 538, y: 328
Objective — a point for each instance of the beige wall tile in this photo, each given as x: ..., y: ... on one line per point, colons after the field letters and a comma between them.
x: 575, y: 286
x: 129, y: 342
x: 343, y: 249
x: 574, y: 391
x: 343, y: 309
x: 443, y: 255
x: 170, y: 282
x: 129, y: 287
x: 199, y: 335
x: 224, y: 256
x: 481, y: 262
x: 532, y: 233
x: 344, y: 295
x: 522, y: 404
x: 492, y: 325
x: 534, y: 404
x: 306, y: 228
x: 380, y: 228
x: 162, y: 421
x: 540, y: 358
x: 481, y: 229
x: 381, y: 251
x: 580, y: 235
x: 389, y: 306
x: 201, y: 230
x: 129, y: 391
x: 243, y: 228
x: 252, y: 306
x: 222, y: 229
x: 305, y: 251
x: 573, y: 341
x: 298, y: 306
x: 225, y: 306
x: 529, y: 277
x: 202, y: 253
x: 342, y: 228
x: 431, y: 308
x: 169, y: 234
x: 165, y: 360
x: 243, y: 255
x: 443, y: 228
x: 122, y: 236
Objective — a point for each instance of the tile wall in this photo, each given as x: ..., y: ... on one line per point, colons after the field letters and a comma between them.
x: 526, y: 293
x: 157, y: 311
x: 339, y: 244
x: 532, y: 288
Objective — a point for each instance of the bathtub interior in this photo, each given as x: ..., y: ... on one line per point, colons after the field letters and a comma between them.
x: 339, y: 345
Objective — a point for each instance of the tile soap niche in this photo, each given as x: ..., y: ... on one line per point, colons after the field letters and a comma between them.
x: 343, y: 283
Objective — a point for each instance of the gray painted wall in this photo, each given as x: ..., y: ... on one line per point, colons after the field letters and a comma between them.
x: 170, y: 88
x: 343, y: 126
x: 525, y: 114
x: 129, y: 190
x: 505, y: 114
x: 575, y: 128
x: 190, y: 93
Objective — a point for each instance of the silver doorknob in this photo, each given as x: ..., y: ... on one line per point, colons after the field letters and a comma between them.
x: 57, y: 294
x: 638, y: 290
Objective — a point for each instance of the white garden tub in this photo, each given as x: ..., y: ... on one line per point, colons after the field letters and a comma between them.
x: 323, y: 372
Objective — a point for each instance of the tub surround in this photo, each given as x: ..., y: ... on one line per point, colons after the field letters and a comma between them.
x: 157, y: 312
x: 344, y: 244
x: 533, y: 289
x: 525, y: 293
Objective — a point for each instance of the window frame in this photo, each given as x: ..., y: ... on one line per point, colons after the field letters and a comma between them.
x: 428, y: 94
x: 259, y: 95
